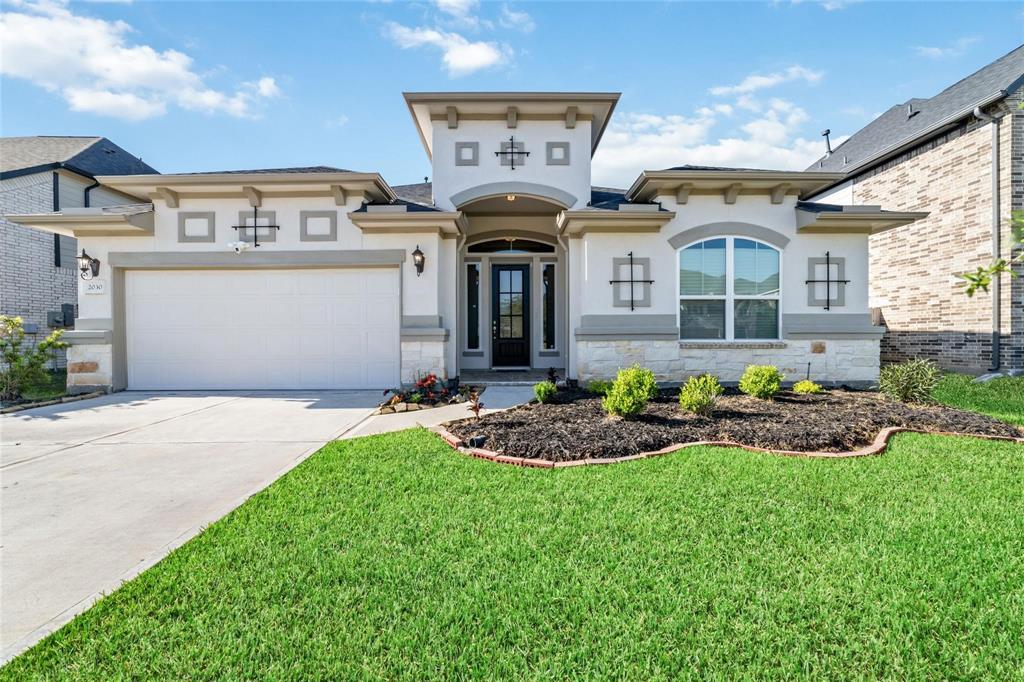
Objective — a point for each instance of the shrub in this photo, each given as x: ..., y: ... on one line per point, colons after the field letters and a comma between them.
x: 700, y: 394
x: 629, y: 394
x: 544, y: 390
x: 910, y: 382
x: 20, y: 363
x: 599, y: 387
x: 761, y: 381
x: 806, y: 387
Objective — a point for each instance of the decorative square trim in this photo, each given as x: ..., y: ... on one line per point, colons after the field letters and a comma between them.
x: 474, y: 159
x: 184, y: 216
x: 641, y: 290
x: 304, y: 235
x: 551, y: 147
x: 520, y: 156
x: 246, y: 235
x: 840, y: 287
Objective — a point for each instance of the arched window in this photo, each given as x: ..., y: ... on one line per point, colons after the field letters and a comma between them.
x: 729, y: 289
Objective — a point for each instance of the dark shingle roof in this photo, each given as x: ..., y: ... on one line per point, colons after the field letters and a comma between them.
x: 895, y: 128
x: 419, y: 193
x: 88, y: 156
x: 607, y: 197
x: 724, y: 169
x: 295, y: 169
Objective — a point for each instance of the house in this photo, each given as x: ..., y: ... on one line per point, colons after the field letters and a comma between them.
x: 39, y: 281
x: 321, y: 277
x: 958, y: 156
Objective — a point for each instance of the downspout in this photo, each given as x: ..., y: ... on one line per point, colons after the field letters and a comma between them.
x: 570, y: 341
x: 996, y: 246
x: 85, y: 193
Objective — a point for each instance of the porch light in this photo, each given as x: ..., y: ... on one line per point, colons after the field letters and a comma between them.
x: 88, y: 266
x: 418, y: 259
x: 510, y: 197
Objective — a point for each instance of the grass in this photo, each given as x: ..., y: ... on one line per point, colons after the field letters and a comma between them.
x: 1001, y: 398
x: 392, y: 557
x: 54, y: 385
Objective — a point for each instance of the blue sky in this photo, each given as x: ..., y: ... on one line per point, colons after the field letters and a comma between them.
x: 195, y: 86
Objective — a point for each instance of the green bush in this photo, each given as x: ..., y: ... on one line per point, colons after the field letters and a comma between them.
x: 20, y: 363
x: 910, y: 382
x: 700, y: 394
x: 629, y: 394
x: 761, y: 381
x: 599, y: 387
x: 544, y: 390
x: 806, y: 387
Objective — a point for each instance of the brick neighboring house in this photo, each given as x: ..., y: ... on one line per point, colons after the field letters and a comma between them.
x: 39, y: 280
x: 936, y: 155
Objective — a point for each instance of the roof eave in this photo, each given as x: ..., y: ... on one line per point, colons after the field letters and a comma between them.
x: 806, y: 181
x: 582, y: 221
x: 446, y: 223
x: 861, y: 222
x: 90, y: 224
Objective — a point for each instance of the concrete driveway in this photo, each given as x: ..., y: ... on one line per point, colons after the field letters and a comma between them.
x: 95, y: 492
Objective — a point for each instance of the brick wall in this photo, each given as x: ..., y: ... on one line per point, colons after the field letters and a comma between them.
x: 30, y: 284
x: 912, y: 269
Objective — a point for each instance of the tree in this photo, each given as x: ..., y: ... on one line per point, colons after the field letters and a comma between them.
x: 20, y: 362
x: 982, y: 277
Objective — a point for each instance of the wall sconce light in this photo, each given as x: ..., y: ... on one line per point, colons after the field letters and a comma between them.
x: 418, y: 259
x: 88, y: 266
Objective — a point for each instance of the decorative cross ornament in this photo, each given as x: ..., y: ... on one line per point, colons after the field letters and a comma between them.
x: 254, y: 227
x: 828, y: 281
x: 511, y: 153
x: 632, y: 281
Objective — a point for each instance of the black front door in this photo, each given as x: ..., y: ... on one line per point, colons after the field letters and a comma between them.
x: 510, y: 315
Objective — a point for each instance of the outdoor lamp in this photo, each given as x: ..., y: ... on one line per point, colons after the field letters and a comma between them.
x: 89, y: 266
x: 417, y: 259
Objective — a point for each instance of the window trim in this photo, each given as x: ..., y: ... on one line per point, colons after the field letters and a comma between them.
x: 730, y: 297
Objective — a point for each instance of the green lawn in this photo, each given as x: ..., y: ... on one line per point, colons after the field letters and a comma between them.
x: 394, y: 557
x: 1001, y: 398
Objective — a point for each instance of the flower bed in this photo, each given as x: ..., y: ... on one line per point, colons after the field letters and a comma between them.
x: 573, y: 426
x: 428, y: 391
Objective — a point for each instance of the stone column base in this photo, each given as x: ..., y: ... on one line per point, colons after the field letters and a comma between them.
x: 423, y: 357
x: 90, y: 368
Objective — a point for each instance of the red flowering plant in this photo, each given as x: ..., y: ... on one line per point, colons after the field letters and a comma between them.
x: 428, y: 390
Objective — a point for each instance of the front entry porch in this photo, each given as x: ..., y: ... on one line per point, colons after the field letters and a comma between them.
x: 512, y: 308
x: 507, y: 377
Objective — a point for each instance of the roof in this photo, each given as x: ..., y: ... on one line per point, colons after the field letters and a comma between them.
x: 714, y: 178
x: 428, y: 107
x: 87, y: 156
x: 916, y: 118
x: 292, y: 169
x: 817, y: 218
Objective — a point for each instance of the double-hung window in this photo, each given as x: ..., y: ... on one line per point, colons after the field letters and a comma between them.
x: 729, y: 290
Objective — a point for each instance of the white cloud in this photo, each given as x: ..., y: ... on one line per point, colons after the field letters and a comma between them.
x: 769, y: 139
x: 93, y: 66
x: 337, y: 121
x: 755, y: 82
x: 954, y: 49
x: 520, y: 21
x: 457, y: 8
x: 461, y: 57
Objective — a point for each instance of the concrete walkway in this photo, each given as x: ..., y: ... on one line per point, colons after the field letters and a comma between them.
x: 494, y: 398
x: 94, y: 492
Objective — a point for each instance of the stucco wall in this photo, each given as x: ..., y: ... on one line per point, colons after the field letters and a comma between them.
x: 449, y: 178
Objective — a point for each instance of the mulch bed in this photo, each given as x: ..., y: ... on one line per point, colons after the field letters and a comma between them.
x: 574, y: 426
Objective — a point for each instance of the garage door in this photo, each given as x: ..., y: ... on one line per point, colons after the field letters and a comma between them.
x: 262, y: 329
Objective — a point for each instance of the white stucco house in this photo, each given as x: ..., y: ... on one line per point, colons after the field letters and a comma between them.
x: 509, y: 258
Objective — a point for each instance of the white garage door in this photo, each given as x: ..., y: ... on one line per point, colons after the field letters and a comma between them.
x: 262, y: 329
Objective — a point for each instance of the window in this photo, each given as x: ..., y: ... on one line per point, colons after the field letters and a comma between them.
x: 472, y: 306
x: 511, y: 246
x: 548, y: 321
x: 729, y: 289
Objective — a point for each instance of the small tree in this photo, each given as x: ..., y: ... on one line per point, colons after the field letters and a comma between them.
x: 983, y: 277
x: 21, y: 363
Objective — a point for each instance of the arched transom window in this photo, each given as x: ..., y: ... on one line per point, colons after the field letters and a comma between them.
x: 729, y: 289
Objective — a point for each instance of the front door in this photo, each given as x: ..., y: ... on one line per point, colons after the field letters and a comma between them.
x: 510, y: 318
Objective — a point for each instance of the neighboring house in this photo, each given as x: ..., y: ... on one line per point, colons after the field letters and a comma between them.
x: 508, y: 259
x: 960, y: 157
x: 39, y: 281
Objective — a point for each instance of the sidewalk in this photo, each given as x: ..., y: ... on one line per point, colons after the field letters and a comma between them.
x: 494, y: 398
